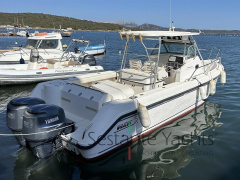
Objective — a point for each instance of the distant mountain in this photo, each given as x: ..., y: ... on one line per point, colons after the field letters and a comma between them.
x: 50, y: 21
x: 152, y: 27
x: 130, y: 24
x: 127, y: 23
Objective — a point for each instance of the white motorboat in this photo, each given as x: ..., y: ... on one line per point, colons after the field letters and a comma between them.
x: 48, y: 44
x: 22, y: 33
x: 159, y: 155
x: 164, y: 152
x: 63, y: 32
x: 93, y: 50
x: 95, y: 114
x: 38, y: 70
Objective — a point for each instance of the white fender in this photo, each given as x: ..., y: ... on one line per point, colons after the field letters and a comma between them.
x: 203, y: 92
x: 223, y: 77
x: 143, y: 115
x: 212, y: 88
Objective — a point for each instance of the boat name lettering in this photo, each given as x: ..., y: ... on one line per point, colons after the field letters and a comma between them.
x: 124, y: 125
x: 68, y: 70
x: 48, y: 121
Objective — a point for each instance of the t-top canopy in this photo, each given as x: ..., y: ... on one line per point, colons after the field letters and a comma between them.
x: 157, y: 33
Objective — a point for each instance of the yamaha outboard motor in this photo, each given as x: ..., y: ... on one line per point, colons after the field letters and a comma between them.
x: 89, y: 59
x: 44, y: 123
x: 15, y: 110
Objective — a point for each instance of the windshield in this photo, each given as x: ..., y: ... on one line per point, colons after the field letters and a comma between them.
x: 48, y: 44
x: 30, y: 44
x: 176, y: 48
x: 162, y: 50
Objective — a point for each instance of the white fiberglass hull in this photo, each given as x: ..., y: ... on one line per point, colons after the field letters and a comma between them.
x: 153, y: 151
x: 117, y: 138
x: 13, y: 57
x: 96, y: 52
x: 22, y: 33
x: 12, y: 77
x: 66, y: 34
x: 122, y: 122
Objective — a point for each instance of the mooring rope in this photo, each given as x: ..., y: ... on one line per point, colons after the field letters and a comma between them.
x: 37, y: 132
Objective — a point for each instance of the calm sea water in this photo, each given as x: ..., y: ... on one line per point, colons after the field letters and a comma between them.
x: 202, y: 145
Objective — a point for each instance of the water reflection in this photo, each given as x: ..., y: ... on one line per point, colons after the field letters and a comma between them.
x: 160, y: 155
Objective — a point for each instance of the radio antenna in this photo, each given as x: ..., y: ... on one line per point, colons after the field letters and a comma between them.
x: 170, y: 18
x: 170, y: 12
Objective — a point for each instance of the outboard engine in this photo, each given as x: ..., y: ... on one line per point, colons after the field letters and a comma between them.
x: 34, y: 56
x: 15, y: 110
x: 89, y: 59
x: 34, y: 60
x: 44, y: 123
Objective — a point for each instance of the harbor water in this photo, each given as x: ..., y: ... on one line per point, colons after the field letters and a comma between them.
x: 202, y: 145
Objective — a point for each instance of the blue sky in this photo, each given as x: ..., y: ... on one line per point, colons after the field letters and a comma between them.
x: 199, y: 14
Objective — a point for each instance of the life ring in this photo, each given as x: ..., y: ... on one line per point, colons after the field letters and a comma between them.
x: 42, y: 34
x: 43, y: 68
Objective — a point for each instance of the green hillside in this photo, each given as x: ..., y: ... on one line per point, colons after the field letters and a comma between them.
x: 49, y: 21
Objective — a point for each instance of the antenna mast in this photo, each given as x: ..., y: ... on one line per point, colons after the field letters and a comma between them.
x: 170, y: 11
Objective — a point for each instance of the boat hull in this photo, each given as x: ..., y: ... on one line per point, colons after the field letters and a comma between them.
x: 143, y: 135
x: 161, y: 113
x: 68, y: 34
x: 13, y: 57
x: 94, y: 50
x: 118, y: 122
x: 14, y: 77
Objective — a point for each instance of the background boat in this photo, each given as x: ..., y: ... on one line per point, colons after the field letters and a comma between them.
x: 63, y: 32
x: 94, y: 50
x: 22, y: 33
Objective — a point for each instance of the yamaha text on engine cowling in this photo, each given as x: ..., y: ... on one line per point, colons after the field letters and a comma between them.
x: 36, y: 125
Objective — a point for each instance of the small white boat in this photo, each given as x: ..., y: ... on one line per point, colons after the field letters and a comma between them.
x: 95, y: 114
x: 94, y: 50
x: 22, y: 33
x: 38, y: 70
x: 63, y: 32
x: 49, y: 46
x: 20, y: 74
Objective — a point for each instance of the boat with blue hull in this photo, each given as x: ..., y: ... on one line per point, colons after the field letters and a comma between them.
x: 94, y: 50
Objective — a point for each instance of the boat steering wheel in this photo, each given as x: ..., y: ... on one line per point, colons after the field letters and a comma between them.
x: 76, y: 49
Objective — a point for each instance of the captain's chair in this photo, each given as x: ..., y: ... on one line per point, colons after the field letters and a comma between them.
x: 135, y: 64
x: 149, y: 66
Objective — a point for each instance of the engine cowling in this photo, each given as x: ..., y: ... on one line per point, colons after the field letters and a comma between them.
x: 44, y: 122
x: 89, y: 59
x: 15, y: 110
